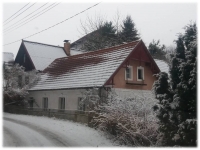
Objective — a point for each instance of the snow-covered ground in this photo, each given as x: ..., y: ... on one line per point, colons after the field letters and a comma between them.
x: 33, y: 131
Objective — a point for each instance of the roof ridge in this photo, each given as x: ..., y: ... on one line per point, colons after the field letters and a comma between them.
x: 100, y: 50
x: 41, y: 43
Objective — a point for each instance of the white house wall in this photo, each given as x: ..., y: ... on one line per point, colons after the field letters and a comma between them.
x: 71, y: 98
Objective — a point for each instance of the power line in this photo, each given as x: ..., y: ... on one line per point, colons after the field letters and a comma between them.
x: 26, y: 16
x: 54, y: 25
x: 16, y: 12
x: 20, y: 13
x: 21, y: 24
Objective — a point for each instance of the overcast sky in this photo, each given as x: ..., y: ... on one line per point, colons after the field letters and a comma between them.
x: 159, y: 21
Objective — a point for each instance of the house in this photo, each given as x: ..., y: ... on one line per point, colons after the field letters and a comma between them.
x: 124, y: 67
x: 38, y: 56
x: 8, y: 58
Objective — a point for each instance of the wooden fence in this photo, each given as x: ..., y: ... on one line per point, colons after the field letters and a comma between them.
x: 73, y: 115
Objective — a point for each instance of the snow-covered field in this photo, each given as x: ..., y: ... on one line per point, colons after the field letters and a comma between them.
x: 33, y: 131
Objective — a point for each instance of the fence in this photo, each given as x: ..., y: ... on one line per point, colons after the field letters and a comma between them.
x: 73, y: 115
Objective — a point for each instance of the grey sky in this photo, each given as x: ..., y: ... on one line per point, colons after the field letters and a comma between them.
x: 153, y: 20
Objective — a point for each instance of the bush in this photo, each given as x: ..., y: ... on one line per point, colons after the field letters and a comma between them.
x: 132, y: 120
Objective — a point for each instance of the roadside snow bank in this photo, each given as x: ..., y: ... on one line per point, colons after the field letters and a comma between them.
x: 76, y: 132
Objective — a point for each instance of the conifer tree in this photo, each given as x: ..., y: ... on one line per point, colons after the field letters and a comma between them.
x: 129, y: 32
x: 104, y: 36
x: 156, y: 50
x: 177, y: 97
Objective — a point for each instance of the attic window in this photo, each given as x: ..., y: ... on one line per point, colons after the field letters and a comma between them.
x: 24, y: 58
x: 129, y: 73
x: 140, y: 73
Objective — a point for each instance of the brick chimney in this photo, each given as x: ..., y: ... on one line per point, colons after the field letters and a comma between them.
x: 67, y: 47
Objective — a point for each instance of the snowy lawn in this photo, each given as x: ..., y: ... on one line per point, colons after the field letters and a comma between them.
x: 77, y: 133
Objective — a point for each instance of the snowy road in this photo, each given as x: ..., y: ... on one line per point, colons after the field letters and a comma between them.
x: 32, y: 131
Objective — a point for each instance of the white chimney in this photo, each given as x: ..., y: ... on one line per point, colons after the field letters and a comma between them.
x: 67, y: 47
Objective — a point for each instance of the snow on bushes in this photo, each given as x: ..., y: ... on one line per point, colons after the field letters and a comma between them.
x: 131, y: 120
x: 17, y: 82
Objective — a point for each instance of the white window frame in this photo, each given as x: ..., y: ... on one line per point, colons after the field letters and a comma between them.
x: 141, y: 68
x: 131, y: 71
x: 59, y: 103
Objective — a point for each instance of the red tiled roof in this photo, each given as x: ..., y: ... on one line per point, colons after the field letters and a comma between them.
x: 84, y: 70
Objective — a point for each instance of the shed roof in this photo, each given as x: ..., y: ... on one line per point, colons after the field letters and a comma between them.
x: 90, y: 69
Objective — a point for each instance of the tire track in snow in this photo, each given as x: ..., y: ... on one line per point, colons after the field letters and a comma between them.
x: 12, y: 139
x: 56, y: 139
x: 24, y: 136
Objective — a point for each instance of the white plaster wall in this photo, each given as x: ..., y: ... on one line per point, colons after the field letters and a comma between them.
x: 71, y: 98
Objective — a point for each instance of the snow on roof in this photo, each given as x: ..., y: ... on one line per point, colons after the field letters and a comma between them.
x: 42, y: 55
x: 75, y: 52
x: 8, y: 57
x: 90, y: 69
x: 163, y: 66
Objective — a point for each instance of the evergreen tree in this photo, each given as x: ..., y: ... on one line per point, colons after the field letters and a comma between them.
x: 104, y: 36
x: 129, y: 32
x: 176, y: 61
x: 156, y: 50
x: 177, y: 96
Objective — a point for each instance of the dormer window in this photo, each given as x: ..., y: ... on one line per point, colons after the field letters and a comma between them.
x: 140, y: 73
x: 129, y: 73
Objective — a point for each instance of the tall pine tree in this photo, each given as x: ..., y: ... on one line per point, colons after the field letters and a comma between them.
x: 177, y: 95
x: 129, y: 32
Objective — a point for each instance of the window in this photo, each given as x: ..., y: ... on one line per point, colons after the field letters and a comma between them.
x: 81, y: 104
x: 20, y: 81
x: 26, y: 80
x: 31, y: 102
x: 45, y: 102
x: 129, y: 73
x: 140, y: 73
x: 24, y: 58
x: 61, y: 103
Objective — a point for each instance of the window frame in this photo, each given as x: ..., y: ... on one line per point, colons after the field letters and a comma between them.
x: 60, y: 103
x: 24, y: 58
x: 83, y: 107
x: 43, y: 102
x: 31, y: 102
x: 20, y: 78
x: 26, y: 80
x: 140, y: 68
x: 131, y: 72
